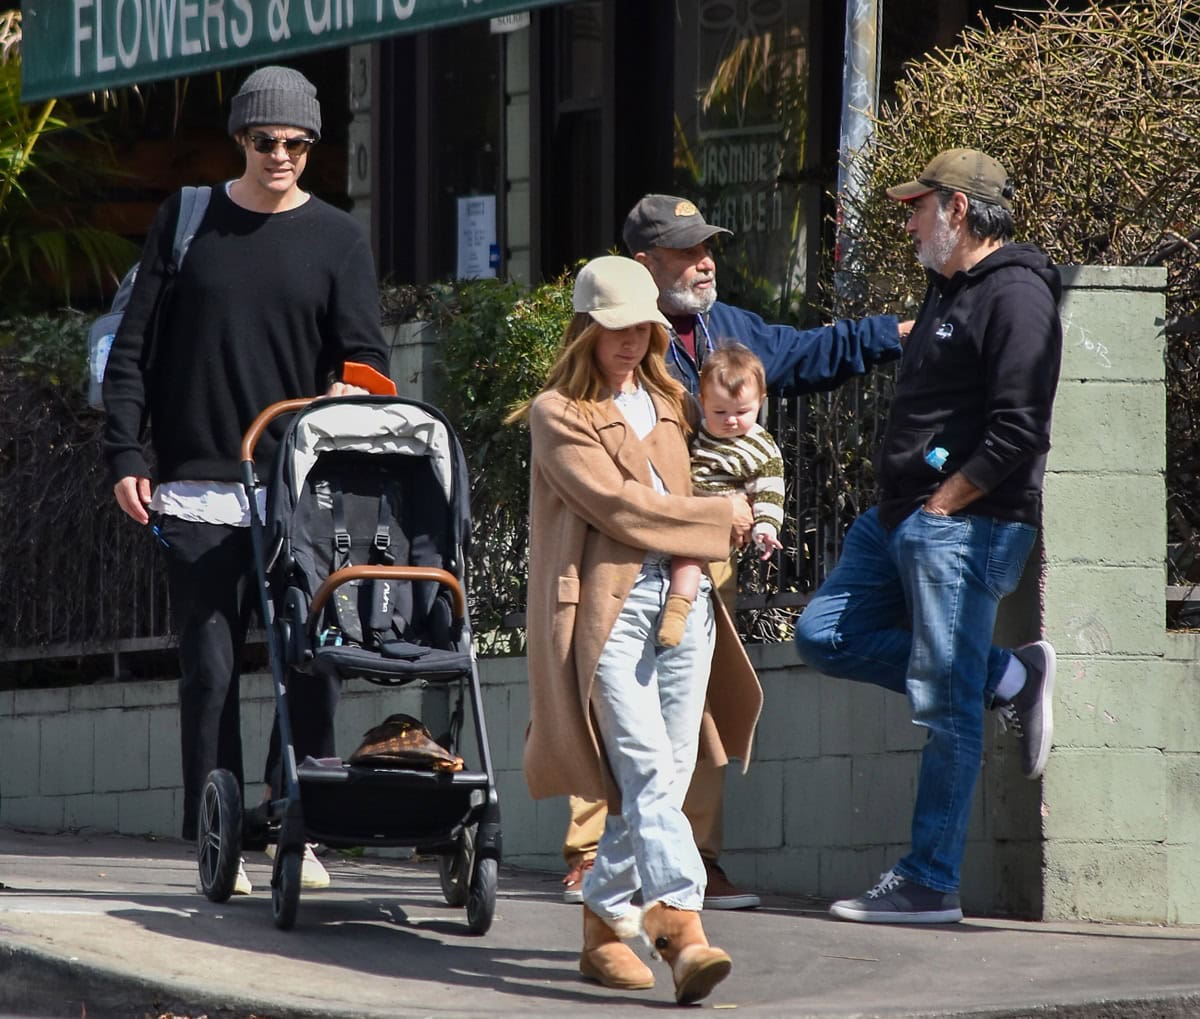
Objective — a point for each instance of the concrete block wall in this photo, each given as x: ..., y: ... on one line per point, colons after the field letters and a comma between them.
x: 1118, y: 821
x: 413, y: 359
x: 107, y: 756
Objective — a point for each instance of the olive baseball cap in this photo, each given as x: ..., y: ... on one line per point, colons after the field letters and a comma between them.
x: 666, y: 221
x: 974, y: 173
x: 617, y: 292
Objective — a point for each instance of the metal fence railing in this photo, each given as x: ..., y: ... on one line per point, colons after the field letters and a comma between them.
x: 828, y: 441
x: 89, y: 583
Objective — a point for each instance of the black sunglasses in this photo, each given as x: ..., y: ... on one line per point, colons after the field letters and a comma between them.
x: 265, y: 143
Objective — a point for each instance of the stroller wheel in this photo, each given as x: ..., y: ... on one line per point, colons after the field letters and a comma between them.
x: 481, y: 904
x: 455, y: 869
x: 285, y: 886
x: 218, y: 843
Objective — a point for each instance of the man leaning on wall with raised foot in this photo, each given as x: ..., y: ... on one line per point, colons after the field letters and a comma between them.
x: 912, y: 602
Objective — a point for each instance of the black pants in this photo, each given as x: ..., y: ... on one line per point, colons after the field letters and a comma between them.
x: 210, y: 573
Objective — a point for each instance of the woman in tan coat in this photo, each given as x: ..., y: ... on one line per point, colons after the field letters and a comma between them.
x: 613, y: 714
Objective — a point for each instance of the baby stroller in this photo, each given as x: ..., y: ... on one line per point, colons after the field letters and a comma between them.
x: 360, y: 564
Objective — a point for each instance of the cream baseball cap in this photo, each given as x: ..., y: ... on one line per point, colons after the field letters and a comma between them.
x: 617, y: 292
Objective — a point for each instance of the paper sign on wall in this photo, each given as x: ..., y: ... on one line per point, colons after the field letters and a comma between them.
x: 478, y: 252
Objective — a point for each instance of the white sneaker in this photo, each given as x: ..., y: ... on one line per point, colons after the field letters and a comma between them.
x: 312, y: 872
x: 241, y: 883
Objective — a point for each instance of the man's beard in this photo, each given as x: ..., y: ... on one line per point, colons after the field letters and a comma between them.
x: 935, y: 251
x: 681, y: 299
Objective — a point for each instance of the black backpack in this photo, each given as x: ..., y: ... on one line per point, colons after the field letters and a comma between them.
x: 193, y: 203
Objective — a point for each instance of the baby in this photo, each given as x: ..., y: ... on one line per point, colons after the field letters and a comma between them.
x: 730, y: 453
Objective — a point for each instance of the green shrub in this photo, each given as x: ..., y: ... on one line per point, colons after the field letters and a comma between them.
x: 47, y: 246
x: 497, y: 341
x: 49, y: 349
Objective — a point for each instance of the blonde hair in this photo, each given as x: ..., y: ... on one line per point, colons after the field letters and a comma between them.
x: 575, y: 376
x: 732, y: 366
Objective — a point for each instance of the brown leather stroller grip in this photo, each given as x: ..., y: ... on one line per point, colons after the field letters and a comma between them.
x: 250, y: 439
x: 348, y: 573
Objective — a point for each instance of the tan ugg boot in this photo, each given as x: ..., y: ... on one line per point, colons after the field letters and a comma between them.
x: 674, y: 620
x: 678, y: 937
x: 607, y: 959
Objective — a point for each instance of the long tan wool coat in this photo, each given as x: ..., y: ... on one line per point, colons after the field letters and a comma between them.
x: 593, y: 516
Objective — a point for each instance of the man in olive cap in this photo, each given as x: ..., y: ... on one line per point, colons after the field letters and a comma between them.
x: 912, y: 602
x: 670, y: 236
x: 278, y: 292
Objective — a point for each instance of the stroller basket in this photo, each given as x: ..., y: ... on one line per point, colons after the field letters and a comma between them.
x: 354, y: 806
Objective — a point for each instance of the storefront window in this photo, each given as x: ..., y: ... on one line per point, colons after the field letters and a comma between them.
x: 573, y: 180
x: 465, y: 95
x: 741, y: 144
x: 581, y: 52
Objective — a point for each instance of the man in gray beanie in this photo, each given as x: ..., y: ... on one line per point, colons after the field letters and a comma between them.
x: 277, y: 294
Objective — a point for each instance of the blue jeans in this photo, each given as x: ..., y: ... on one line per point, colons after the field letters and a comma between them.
x: 648, y: 702
x: 912, y: 610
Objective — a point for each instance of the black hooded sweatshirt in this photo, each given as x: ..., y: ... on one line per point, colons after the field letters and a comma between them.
x: 977, y: 380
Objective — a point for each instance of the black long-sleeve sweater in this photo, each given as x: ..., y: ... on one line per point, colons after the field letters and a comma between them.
x: 977, y: 379
x: 266, y: 307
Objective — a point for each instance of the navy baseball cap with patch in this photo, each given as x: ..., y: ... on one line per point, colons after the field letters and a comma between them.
x: 666, y: 221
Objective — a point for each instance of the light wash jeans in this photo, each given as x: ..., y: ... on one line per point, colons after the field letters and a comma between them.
x: 912, y: 610
x: 648, y: 702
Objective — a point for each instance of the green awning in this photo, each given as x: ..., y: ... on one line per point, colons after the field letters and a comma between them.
x: 74, y: 46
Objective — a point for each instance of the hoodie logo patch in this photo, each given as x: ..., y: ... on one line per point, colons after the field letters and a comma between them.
x: 945, y: 331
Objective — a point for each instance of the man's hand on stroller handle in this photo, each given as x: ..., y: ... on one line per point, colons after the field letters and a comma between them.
x: 345, y: 389
x: 133, y: 496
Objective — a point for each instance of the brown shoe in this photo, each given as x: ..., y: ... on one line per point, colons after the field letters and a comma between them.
x: 721, y: 893
x: 608, y: 960
x: 678, y: 938
x: 573, y: 881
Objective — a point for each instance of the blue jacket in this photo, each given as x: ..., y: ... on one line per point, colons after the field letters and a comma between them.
x: 796, y: 360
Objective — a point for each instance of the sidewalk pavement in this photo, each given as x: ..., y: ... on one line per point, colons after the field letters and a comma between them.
x: 93, y: 926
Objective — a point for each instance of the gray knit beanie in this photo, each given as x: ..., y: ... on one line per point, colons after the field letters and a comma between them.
x: 276, y: 95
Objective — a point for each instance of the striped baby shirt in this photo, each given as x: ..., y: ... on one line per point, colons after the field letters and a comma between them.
x: 749, y: 463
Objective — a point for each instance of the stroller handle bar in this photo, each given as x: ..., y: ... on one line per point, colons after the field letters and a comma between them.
x: 339, y: 577
x: 250, y: 439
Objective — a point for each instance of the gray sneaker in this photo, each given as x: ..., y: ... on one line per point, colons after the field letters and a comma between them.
x: 897, y: 900
x: 1030, y: 715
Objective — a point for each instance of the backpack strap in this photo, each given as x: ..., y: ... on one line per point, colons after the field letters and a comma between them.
x: 193, y: 203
